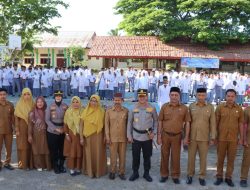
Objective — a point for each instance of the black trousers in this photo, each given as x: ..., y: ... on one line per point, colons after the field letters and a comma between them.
x: 147, y: 148
x: 55, y: 143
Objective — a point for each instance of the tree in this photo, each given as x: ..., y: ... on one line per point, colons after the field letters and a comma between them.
x: 114, y: 32
x: 27, y: 18
x: 213, y: 22
x: 77, y: 54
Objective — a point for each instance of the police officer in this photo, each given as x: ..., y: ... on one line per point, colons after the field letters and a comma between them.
x: 142, y: 123
x: 202, y: 130
x: 54, y: 119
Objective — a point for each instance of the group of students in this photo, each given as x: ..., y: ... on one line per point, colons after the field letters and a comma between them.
x: 47, y: 135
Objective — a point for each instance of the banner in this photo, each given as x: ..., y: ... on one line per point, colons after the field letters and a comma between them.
x: 200, y: 62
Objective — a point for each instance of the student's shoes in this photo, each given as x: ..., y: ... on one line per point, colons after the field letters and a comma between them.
x: 39, y: 169
x: 189, y: 180
x: 202, y: 182
x: 229, y: 182
x: 163, y: 179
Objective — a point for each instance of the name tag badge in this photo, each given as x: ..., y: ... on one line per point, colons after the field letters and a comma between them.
x: 136, y: 119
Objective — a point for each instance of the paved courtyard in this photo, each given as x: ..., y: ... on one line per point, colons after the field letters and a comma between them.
x: 30, y: 180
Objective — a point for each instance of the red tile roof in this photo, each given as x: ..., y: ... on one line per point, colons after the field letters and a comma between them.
x: 151, y: 47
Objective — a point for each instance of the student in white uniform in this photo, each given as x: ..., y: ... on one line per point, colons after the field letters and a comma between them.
x: 102, y: 85
x: 185, y: 87
x: 36, y: 84
x: 74, y: 84
x: 81, y: 85
x: 163, y: 92
x: 44, y: 84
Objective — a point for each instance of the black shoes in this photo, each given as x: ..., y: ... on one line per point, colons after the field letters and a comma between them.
x: 122, y: 177
x: 112, y: 176
x: 134, y: 176
x: 202, y: 182
x: 147, y: 177
x: 9, y: 167
x: 189, y: 180
x: 163, y: 179
x: 243, y: 183
x: 176, y: 180
x: 218, y: 181
x: 229, y: 182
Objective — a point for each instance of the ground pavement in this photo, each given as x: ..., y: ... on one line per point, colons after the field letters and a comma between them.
x: 34, y: 180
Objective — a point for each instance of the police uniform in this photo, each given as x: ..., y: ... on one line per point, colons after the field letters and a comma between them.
x: 54, y: 119
x: 141, y: 120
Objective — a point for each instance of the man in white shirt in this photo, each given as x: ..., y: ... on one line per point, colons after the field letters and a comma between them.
x: 131, y: 78
x: 23, y: 77
x: 153, y: 87
x: 16, y: 81
x: 218, y: 89
x: 210, y: 88
x: 64, y: 82
x: 56, y: 80
x: 122, y: 83
x: 185, y: 87
x: 163, y: 92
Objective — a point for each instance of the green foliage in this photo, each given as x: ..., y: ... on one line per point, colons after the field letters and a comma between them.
x: 28, y: 18
x: 114, y: 32
x: 213, y: 22
x: 77, y: 54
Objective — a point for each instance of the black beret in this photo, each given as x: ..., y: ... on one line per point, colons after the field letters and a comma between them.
x: 175, y: 89
x: 201, y: 90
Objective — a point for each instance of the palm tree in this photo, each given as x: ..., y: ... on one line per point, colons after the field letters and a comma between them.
x: 114, y: 32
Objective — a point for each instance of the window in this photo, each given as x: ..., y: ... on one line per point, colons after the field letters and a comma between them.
x: 29, y: 60
x: 44, y: 61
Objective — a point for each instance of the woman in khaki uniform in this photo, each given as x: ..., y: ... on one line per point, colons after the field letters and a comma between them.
x: 72, y: 146
x: 92, y: 138
x: 23, y: 107
x: 38, y: 135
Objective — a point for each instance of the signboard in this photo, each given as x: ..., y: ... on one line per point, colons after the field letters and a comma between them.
x: 200, y: 62
x: 15, y: 42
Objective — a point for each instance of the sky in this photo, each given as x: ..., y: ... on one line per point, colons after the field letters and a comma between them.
x: 88, y: 15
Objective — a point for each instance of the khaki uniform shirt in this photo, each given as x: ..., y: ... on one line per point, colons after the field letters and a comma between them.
x: 142, y: 119
x: 228, y: 120
x: 116, y: 124
x: 174, y: 117
x: 7, y: 118
x: 203, y: 124
x: 247, y: 121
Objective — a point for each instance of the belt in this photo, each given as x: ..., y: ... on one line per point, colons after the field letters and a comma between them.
x: 172, y: 134
x: 142, y: 131
x: 57, y: 124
